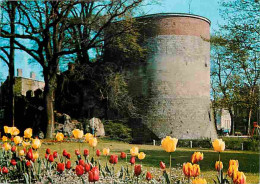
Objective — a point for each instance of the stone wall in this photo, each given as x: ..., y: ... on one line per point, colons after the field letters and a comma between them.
x: 22, y: 85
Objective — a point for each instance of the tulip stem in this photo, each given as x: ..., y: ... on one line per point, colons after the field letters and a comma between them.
x: 170, y: 166
x: 219, y: 167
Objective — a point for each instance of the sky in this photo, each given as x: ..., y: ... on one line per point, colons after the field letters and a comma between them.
x: 205, y: 8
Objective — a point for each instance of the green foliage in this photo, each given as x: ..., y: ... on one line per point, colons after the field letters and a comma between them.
x: 118, y: 131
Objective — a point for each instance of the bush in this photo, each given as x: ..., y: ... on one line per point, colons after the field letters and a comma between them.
x: 118, y: 131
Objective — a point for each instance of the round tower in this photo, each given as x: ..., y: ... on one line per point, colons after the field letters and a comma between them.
x: 175, y: 80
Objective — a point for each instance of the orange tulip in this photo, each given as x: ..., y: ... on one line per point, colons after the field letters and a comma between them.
x: 196, y: 157
x: 196, y: 170
x: 218, y: 165
x: 187, y: 169
x: 231, y: 170
x: 233, y: 162
x: 239, y: 178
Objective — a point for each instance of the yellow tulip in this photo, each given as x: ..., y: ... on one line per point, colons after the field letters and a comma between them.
x: 239, y: 177
x: 141, y: 155
x: 14, y: 131
x: 26, y: 144
x: 199, y: 181
x: 4, y: 138
x: 88, y: 136
x: 28, y: 133
x: 169, y: 144
x: 17, y: 140
x: 231, y: 170
x: 7, y: 146
x: 106, y: 151
x: 35, y: 155
x: 134, y: 151
x: 93, y: 142
x: 59, y: 136
x: 78, y: 134
x: 234, y: 162
x: 218, y: 145
x: 36, y: 143
x: 21, y: 152
x: 218, y: 165
x: 7, y: 129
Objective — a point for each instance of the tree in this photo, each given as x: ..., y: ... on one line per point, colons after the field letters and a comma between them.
x: 50, y: 28
x: 238, y: 60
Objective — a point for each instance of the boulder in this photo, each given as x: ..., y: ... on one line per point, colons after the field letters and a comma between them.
x: 97, y: 125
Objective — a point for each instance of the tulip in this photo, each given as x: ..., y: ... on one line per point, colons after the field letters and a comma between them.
x: 134, y: 151
x: 36, y: 143
x: 138, y: 170
x: 14, y: 131
x: 93, y: 175
x: 13, y: 162
x: 78, y: 134
x: 199, y: 181
x: 88, y: 136
x: 79, y: 170
x: 35, y: 155
x: 123, y: 155
x: 98, y: 153
x: 218, y: 165
x: 4, y: 139
x: 29, y: 155
x: 239, y: 178
x: 64, y: 153
x: 169, y: 144
x: 13, y: 149
x: 93, y: 142
x: 7, y: 130
x: 68, y: 156
x: 196, y: 170
x: 46, y: 156
x: 141, y: 155
x: 148, y: 176
x: 77, y: 152
x: 60, y: 167
x: 218, y: 145
x: 25, y: 144
x: 55, y: 154
x: 196, y: 157
x: 17, y: 140
x: 21, y: 152
x: 86, y: 153
x: 81, y: 162
x: 28, y: 133
x: 187, y: 169
x: 132, y: 160
x: 28, y: 163
x: 106, y: 151
x: 87, y: 167
x: 113, y: 159
x: 68, y: 164
x: 48, y: 151
x: 7, y: 146
x: 231, y: 170
x: 162, y: 165
x: 51, y: 158
x: 234, y: 162
x: 5, y: 170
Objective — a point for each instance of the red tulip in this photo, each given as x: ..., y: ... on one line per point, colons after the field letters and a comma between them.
x: 29, y: 155
x: 13, y: 149
x: 93, y: 175
x: 60, y: 167
x: 113, y: 159
x: 46, y: 155
x: 148, y: 176
x: 138, y: 170
x: 123, y: 155
x: 98, y: 153
x: 13, y: 162
x: 68, y: 164
x: 55, y: 154
x: 64, y: 153
x: 77, y: 152
x: 50, y: 159
x: 48, y: 151
x: 28, y: 163
x: 162, y: 165
x: 0, y: 169
x: 86, y: 152
x: 33, y: 160
x: 132, y: 160
x: 79, y: 170
x: 81, y: 162
x: 4, y: 170
x: 87, y: 167
x: 68, y: 156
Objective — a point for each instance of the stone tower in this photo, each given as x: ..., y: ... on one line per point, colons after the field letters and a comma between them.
x: 174, y: 83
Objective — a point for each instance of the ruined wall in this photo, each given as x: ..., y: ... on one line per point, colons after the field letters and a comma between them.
x: 22, y: 85
x: 174, y: 84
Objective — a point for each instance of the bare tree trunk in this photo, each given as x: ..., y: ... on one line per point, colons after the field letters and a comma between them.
x: 232, y: 121
x: 250, y: 112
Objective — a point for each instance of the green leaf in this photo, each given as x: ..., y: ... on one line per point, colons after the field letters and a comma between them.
x: 166, y: 177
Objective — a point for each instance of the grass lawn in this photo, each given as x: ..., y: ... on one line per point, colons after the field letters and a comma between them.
x: 248, y: 160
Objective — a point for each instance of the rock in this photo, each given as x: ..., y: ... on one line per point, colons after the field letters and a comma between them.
x: 98, y: 127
